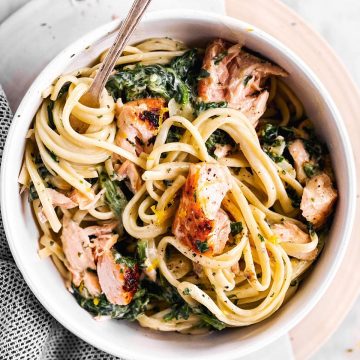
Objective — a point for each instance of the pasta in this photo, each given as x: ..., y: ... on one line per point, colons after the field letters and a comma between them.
x: 121, y: 191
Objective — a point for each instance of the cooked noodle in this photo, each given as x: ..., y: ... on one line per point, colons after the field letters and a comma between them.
x: 75, y: 143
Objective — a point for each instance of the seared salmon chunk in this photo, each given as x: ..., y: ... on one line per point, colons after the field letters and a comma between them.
x: 199, y: 221
x: 237, y: 77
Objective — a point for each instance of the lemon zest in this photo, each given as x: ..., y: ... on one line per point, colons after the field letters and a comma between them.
x: 96, y: 301
x: 274, y: 239
x: 160, y: 214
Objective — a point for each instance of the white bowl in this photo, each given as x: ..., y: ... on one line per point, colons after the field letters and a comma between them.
x: 126, y: 339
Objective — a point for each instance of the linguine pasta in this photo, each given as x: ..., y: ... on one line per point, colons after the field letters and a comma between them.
x: 71, y: 169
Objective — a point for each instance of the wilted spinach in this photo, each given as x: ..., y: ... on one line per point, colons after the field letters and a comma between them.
x: 168, y: 81
x: 113, y: 195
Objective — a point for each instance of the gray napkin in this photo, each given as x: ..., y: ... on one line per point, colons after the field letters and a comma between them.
x: 27, y: 330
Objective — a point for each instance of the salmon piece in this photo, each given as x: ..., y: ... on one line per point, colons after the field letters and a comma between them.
x: 76, y: 246
x: 237, y: 77
x: 318, y: 199
x: 59, y: 199
x: 91, y: 282
x: 102, y: 237
x: 129, y: 170
x: 301, y: 156
x: 100, y: 230
x: 138, y: 123
x: 118, y: 281
x: 199, y: 221
x: 217, y: 57
x: 290, y: 233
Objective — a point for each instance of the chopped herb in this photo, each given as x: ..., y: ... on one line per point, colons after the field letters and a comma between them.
x: 261, y: 237
x: 99, y: 116
x: 126, y: 260
x: 274, y: 157
x: 203, y: 74
x: 310, y: 169
x: 218, y: 58
x: 130, y: 142
x: 236, y: 228
x: 246, y: 79
x: 202, y: 246
x: 186, y: 291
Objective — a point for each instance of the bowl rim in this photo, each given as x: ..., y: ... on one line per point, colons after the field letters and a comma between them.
x: 98, y: 34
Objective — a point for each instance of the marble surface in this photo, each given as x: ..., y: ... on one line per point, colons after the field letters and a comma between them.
x: 339, y: 23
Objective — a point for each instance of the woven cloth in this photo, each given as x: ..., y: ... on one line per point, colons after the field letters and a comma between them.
x: 27, y: 330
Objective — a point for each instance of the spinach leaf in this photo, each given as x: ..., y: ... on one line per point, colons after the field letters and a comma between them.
x: 175, y: 133
x: 176, y: 80
x: 141, y: 251
x: 236, y: 228
x: 269, y: 132
x: 208, y: 319
x: 218, y: 58
x: 310, y: 169
x: 294, y: 197
x: 101, y: 306
x: 275, y: 157
x: 113, y: 195
x: 202, y: 246
x: 33, y: 195
x: 178, y: 311
x: 64, y: 89
x: 186, y: 64
x: 50, y: 108
x: 203, y: 106
x: 220, y: 137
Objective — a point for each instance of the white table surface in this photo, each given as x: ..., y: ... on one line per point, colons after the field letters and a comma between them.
x: 339, y: 22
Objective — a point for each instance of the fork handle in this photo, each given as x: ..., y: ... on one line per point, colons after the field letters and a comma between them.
x: 126, y: 29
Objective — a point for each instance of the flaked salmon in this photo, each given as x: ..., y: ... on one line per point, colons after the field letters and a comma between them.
x: 301, y: 157
x: 199, y: 221
x: 138, y: 123
x: 237, y: 77
x: 118, y: 281
x: 318, y: 199
x: 288, y: 232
